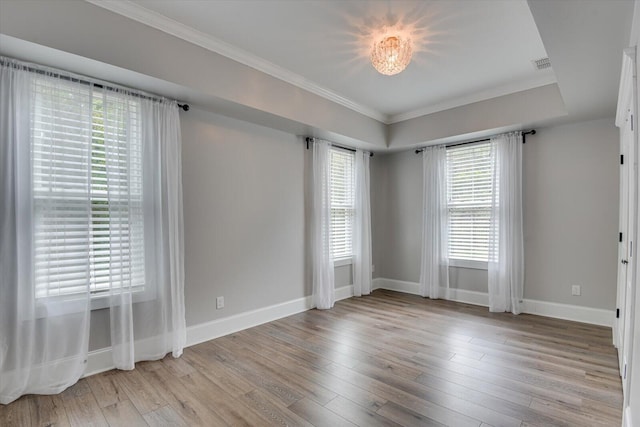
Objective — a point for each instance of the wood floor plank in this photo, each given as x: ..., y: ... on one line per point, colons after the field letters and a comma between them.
x: 78, y: 389
x: 178, y: 366
x: 581, y: 389
x: 450, y: 401
x: 81, y: 406
x: 272, y: 411
x: 279, y: 390
x: 318, y: 415
x: 281, y: 350
x: 268, y: 368
x: 223, y: 376
x: 568, y: 415
x: 106, y: 389
x: 406, y: 417
x: 520, y: 410
x: 48, y: 411
x: 232, y: 410
x: 17, y: 413
x: 123, y: 414
x: 180, y: 398
x: 164, y: 417
x: 145, y: 397
x: 386, y: 359
x: 441, y: 368
x: 409, y: 401
x: 358, y: 415
x: 282, y: 356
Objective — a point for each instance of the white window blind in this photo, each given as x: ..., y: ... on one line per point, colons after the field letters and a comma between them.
x: 469, y: 174
x: 342, y: 202
x: 87, y: 190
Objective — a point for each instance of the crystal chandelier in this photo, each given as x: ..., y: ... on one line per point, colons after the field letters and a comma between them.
x: 391, y: 55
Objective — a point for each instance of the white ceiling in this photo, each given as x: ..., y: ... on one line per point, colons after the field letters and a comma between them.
x: 465, y: 51
x: 585, y: 40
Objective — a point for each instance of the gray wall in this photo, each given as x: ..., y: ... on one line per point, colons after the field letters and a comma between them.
x: 571, y: 213
x: 570, y: 176
x: 473, y: 120
x: 379, y: 183
x: 398, y: 254
x: 243, y: 216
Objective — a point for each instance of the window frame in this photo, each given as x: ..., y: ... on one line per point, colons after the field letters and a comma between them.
x: 343, y: 259
x: 73, y: 301
x: 471, y: 204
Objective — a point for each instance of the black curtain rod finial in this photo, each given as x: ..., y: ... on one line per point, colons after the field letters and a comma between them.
x: 185, y: 107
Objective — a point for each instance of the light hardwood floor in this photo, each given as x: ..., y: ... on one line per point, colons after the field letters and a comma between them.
x: 386, y: 359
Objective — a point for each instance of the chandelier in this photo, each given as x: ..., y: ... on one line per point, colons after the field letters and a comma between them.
x: 391, y: 55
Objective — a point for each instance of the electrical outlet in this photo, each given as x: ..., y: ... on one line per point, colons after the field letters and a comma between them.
x: 219, y: 303
x: 576, y: 290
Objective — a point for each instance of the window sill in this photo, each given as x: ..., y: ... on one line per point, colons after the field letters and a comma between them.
x: 466, y: 263
x: 342, y: 261
x: 102, y: 300
x: 63, y: 305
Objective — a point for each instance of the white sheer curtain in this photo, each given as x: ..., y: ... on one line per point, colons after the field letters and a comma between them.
x: 43, y: 344
x: 323, y: 274
x: 506, y: 248
x: 90, y: 217
x: 362, y: 226
x: 147, y: 295
x: 434, y: 271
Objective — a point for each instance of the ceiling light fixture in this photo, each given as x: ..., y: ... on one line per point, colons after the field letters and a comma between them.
x: 391, y: 54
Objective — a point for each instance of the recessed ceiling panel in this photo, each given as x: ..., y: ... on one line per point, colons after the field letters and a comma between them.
x: 464, y: 51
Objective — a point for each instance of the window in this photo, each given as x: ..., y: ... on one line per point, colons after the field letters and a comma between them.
x: 342, y: 202
x: 469, y: 174
x: 87, y: 190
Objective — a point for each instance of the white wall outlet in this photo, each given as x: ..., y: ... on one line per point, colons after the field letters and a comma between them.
x: 219, y: 303
x: 576, y: 290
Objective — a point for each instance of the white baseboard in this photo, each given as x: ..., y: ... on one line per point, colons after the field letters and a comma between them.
x: 469, y: 297
x: 396, y: 285
x: 98, y: 361
x: 344, y: 292
x: 626, y: 417
x: 595, y: 316
x: 576, y: 313
x: 101, y: 360
x: 228, y: 325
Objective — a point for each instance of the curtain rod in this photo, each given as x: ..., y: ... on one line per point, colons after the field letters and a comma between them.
x: 81, y: 80
x: 312, y: 139
x: 530, y: 132
x: 184, y: 107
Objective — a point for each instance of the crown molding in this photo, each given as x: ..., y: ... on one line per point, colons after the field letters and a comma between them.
x: 506, y: 89
x: 160, y: 22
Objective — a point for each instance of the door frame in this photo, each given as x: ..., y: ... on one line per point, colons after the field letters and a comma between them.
x: 626, y: 121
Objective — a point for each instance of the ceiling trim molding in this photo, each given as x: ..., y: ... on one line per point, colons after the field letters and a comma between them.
x: 546, y: 79
x: 160, y: 22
